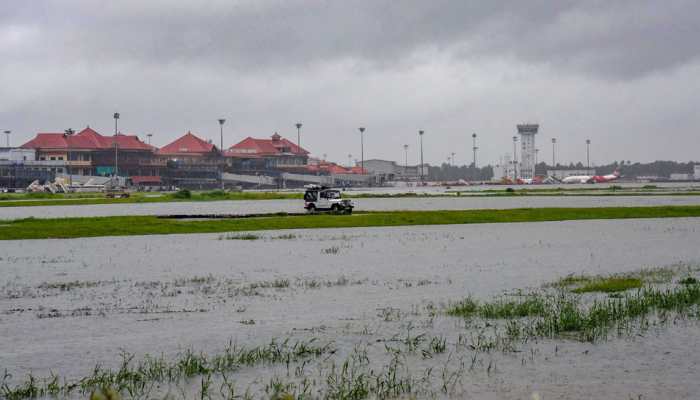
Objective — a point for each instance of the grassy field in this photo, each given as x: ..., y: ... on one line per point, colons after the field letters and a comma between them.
x: 63, y: 199
x: 31, y: 228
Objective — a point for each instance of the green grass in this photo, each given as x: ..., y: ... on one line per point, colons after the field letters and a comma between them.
x: 33, y: 228
x: 526, y: 307
x: 610, y: 285
x: 135, y: 378
x: 566, y: 315
x: 62, y: 199
x: 619, y: 282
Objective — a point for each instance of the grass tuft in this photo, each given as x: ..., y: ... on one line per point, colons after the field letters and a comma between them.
x: 609, y: 285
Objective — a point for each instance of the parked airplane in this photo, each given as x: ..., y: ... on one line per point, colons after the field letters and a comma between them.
x: 591, y: 178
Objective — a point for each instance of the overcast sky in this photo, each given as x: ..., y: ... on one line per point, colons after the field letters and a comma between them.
x: 625, y: 74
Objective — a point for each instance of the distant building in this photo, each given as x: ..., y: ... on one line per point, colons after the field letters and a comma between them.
x: 191, y: 162
x: 527, y: 149
x: 252, y: 154
x: 89, y: 153
x: 696, y: 175
x: 681, y: 177
x: 17, y: 154
x: 190, y: 149
x: 391, y: 170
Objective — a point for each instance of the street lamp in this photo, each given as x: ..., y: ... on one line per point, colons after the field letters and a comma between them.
x: 116, y: 146
x: 474, y: 148
x: 422, y: 179
x: 588, y: 153
x: 149, y: 138
x: 515, y: 158
x: 554, y: 142
x: 362, y: 149
x: 8, y: 137
x: 116, y: 118
x: 536, y: 151
x: 405, y: 162
x: 69, y: 132
x: 298, y: 125
x: 221, y: 149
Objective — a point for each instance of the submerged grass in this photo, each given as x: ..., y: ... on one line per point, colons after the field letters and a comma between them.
x: 609, y: 285
x: 566, y: 314
x: 32, y: 228
x: 135, y: 378
x: 531, y: 305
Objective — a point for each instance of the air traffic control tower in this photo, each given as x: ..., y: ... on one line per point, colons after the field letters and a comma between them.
x: 527, y: 153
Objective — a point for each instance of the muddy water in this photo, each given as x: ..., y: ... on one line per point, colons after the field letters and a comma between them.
x: 163, y: 294
x: 376, y: 204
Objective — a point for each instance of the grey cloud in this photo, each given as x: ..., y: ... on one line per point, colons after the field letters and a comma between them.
x: 616, y: 40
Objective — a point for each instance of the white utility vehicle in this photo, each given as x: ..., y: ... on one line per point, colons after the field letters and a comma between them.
x: 321, y: 198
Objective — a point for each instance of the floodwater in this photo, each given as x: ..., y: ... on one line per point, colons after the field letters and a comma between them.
x: 353, y: 287
x: 369, y: 204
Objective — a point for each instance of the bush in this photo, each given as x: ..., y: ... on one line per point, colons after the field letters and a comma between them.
x: 183, y: 194
x: 214, y: 193
x: 510, y: 190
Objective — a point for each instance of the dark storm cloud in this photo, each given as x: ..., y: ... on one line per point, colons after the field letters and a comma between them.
x: 618, y: 40
x: 600, y: 70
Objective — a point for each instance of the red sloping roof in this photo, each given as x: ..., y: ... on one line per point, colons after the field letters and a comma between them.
x: 47, y: 140
x: 187, y: 144
x: 128, y: 142
x: 273, y: 146
x: 87, y: 139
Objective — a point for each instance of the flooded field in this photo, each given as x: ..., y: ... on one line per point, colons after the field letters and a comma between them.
x: 369, y: 307
x: 369, y: 204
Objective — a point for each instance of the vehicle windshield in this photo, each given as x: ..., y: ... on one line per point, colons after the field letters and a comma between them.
x: 331, y: 194
x: 310, y: 196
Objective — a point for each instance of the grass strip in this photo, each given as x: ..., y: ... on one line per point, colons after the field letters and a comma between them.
x: 72, y: 199
x: 610, y: 285
x: 32, y: 228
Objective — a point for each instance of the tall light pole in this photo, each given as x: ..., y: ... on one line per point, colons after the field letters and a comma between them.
x: 405, y: 161
x: 515, y: 158
x: 221, y: 149
x: 69, y: 132
x: 116, y: 159
x: 349, y: 160
x: 474, y: 148
x: 116, y: 119
x: 536, y: 151
x: 362, y: 149
x: 116, y: 146
x: 149, y: 138
x: 588, y: 153
x: 420, y: 135
x: 7, y: 133
x: 298, y: 125
x: 554, y: 142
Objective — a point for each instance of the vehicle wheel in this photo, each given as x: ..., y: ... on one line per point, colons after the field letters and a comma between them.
x: 335, y: 209
x: 311, y: 209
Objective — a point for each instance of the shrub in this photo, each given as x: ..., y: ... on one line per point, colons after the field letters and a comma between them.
x: 183, y: 194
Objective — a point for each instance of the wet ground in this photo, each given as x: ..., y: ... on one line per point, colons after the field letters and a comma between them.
x: 66, y: 305
x: 371, y: 204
